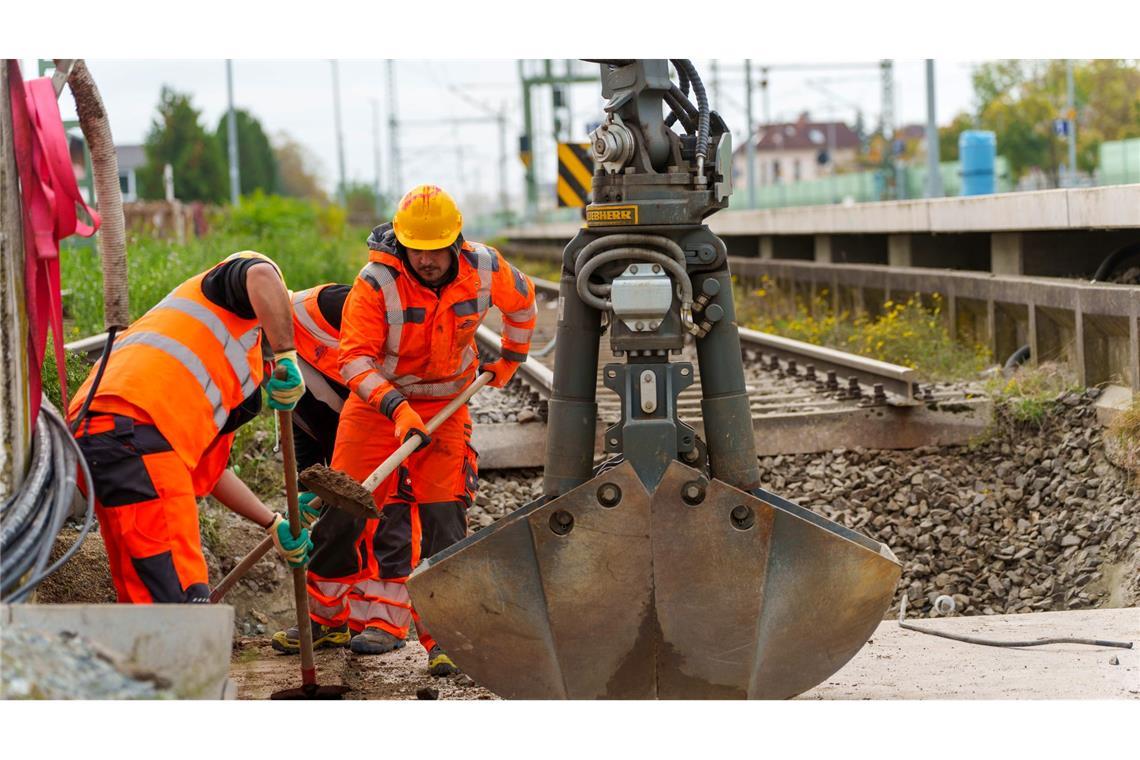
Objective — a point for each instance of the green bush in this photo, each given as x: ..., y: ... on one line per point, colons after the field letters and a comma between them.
x: 311, y: 243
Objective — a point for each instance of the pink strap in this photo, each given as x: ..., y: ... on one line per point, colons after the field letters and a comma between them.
x: 50, y: 195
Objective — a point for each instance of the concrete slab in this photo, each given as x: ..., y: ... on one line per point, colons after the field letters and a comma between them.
x: 1113, y: 401
x: 901, y: 664
x: 186, y: 644
x: 1110, y: 207
x: 1041, y: 210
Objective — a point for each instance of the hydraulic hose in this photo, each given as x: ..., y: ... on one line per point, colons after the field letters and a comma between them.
x: 636, y: 254
x: 681, y: 109
x: 703, y: 108
x: 684, y: 92
x: 626, y: 239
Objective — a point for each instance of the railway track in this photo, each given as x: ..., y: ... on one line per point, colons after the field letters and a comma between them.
x: 804, y: 398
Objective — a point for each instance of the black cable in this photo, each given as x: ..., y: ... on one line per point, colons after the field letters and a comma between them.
x: 680, y: 108
x: 1007, y: 644
x: 89, y: 517
x: 98, y: 376
x: 1109, y: 264
x: 684, y: 91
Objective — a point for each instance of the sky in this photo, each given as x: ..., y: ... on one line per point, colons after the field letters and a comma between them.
x: 295, y: 96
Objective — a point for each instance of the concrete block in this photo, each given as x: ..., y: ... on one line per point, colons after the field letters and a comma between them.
x: 1007, y: 253
x: 186, y: 644
x: 899, y: 250
x: 767, y: 247
x: 823, y: 248
x: 1113, y: 401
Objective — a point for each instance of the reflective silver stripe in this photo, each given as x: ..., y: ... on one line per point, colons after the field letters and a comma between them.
x: 517, y: 334
x: 524, y: 315
x: 355, y: 367
x: 188, y: 359
x: 393, y: 312
x: 445, y: 387
x: 306, y: 320
x: 330, y: 589
x: 380, y: 600
x: 235, y: 350
x: 484, y: 261
x: 369, y: 384
x: 317, y: 384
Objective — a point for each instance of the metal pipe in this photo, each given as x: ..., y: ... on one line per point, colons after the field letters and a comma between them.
x: 232, y: 138
x: 934, y: 173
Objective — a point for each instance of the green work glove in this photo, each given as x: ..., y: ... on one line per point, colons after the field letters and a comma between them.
x: 294, y: 551
x: 284, y: 394
x: 309, y: 513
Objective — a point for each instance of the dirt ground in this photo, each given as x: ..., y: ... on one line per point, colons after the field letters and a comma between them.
x: 258, y: 671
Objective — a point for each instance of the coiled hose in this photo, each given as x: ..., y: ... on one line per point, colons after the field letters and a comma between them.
x: 611, y: 248
x: 32, y: 517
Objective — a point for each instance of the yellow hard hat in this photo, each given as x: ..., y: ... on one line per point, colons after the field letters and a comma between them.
x: 427, y: 218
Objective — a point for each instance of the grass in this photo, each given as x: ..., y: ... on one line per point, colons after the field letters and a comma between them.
x: 544, y: 269
x: 1125, y: 432
x: 910, y: 333
x: 1029, y: 397
x: 312, y: 244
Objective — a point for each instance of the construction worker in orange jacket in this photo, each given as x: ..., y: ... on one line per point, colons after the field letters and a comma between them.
x: 158, y: 429
x: 406, y: 349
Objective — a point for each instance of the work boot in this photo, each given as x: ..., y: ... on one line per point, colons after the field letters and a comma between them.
x: 375, y: 641
x: 289, y: 641
x: 439, y: 664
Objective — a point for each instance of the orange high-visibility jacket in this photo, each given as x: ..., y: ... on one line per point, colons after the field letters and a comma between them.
x: 315, y: 338
x: 185, y: 364
x: 399, y: 340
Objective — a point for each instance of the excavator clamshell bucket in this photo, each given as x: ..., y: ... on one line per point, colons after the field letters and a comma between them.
x: 613, y: 591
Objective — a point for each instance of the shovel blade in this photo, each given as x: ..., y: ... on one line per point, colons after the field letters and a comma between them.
x: 338, y: 490
x: 741, y: 595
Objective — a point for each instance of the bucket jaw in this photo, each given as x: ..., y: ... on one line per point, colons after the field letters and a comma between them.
x: 692, y: 590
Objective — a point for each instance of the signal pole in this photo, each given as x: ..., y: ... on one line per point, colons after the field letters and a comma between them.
x: 231, y: 134
x: 933, y: 172
x: 341, y: 190
x: 749, y: 140
x: 376, y: 155
x: 1071, y: 117
x: 397, y: 183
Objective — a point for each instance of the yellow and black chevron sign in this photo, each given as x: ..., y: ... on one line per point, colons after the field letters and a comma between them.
x: 575, y: 173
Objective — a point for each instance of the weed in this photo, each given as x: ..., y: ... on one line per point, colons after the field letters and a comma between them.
x: 1027, y: 399
x: 909, y: 333
x: 208, y: 527
x: 1125, y: 433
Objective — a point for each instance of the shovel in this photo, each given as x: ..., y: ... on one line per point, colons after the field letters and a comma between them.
x: 337, y: 489
x: 259, y: 551
x: 309, y: 688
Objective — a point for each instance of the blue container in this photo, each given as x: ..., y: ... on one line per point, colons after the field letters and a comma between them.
x: 977, y: 150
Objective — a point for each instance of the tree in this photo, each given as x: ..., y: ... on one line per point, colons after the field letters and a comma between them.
x: 948, y: 136
x: 360, y: 203
x: 1019, y: 101
x: 177, y: 137
x: 298, y: 170
x: 258, y: 165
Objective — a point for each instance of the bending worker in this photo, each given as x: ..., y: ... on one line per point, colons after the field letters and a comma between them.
x: 407, y: 347
x: 158, y: 430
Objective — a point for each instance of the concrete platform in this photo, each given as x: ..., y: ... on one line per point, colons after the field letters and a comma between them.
x: 901, y: 664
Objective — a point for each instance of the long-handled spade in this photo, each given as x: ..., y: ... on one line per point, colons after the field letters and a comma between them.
x: 309, y: 688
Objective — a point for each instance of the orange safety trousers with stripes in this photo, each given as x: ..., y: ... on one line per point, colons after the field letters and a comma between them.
x: 359, y: 567
x: 146, y: 500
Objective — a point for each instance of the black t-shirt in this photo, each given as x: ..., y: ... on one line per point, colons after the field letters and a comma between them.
x: 331, y: 303
x: 225, y: 286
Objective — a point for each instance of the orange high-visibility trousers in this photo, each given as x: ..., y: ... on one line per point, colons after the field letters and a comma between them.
x: 146, y: 503
x: 359, y: 567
